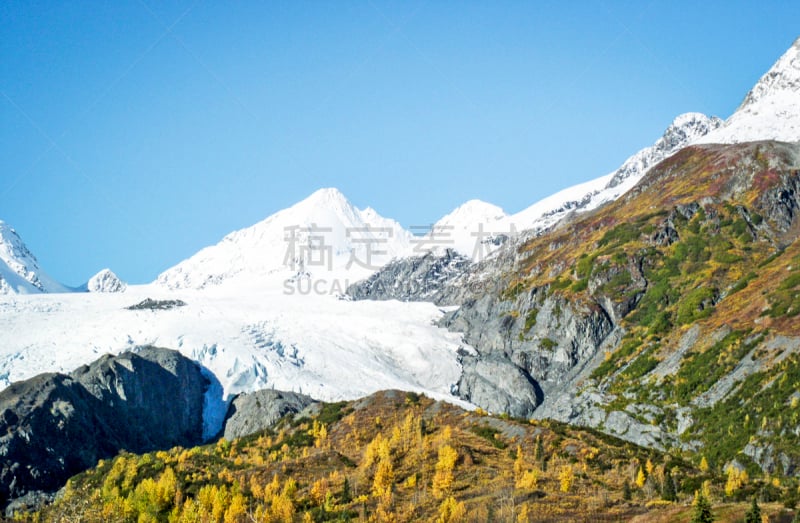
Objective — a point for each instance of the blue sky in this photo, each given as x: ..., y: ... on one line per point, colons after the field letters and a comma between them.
x: 134, y: 133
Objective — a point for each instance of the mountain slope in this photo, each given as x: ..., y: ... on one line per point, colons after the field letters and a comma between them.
x: 663, y: 316
x: 771, y: 110
x: 19, y: 270
x: 321, y: 236
x: 392, y: 456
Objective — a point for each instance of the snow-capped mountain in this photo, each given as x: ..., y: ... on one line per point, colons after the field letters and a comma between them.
x: 467, y: 229
x: 321, y: 236
x: 105, y: 281
x: 19, y: 270
x: 771, y: 110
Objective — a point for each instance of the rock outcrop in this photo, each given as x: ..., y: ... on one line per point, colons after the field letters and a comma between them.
x: 56, y: 425
x: 419, y: 278
x: 253, y: 412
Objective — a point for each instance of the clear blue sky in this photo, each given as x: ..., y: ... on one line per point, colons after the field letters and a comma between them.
x: 134, y: 133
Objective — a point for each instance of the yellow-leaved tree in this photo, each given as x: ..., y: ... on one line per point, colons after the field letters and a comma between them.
x: 384, y: 478
x: 640, y: 478
x: 566, y: 478
x: 451, y: 511
x: 443, y: 477
x: 736, y: 480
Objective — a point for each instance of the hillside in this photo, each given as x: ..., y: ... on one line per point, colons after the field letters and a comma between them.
x: 667, y: 317
x: 392, y: 456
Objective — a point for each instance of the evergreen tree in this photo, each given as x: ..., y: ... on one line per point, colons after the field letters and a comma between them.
x: 345, y: 495
x: 626, y: 491
x: 669, y: 492
x: 702, y: 509
x: 753, y: 513
x: 539, y: 452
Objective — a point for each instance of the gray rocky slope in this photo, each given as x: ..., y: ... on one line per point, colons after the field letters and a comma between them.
x: 419, y: 278
x: 256, y: 411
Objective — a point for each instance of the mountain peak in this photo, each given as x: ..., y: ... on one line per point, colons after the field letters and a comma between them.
x: 771, y: 110
x: 19, y: 269
x: 322, y: 235
x: 325, y: 197
x: 319, y: 205
x: 783, y: 76
x: 476, y: 209
x: 105, y: 281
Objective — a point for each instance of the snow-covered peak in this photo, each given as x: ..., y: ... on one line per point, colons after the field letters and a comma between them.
x: 328, y: 199
x: 783, y: 76
x: 771, y: 110
x: 468, y: 229
x: 105, y: 281
x: 19, y: 270
x: 473, y: 211
x: 684, y: 130
x: 321, y: 236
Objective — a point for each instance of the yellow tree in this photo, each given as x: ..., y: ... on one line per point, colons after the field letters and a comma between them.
x: 640, y: 478
x: 377, y: 449
x: 237, y: 510
x: 519, y: 465
x: 736, y: 479
x: 281, y: 509
x: 451, y: 511
x: 221, y: 502
x: 384, y: 478
x: 529, y: 480
x: 443, y: 477
x: 566, y: 477
x: 524, y: 478
x: 523, y: 516
x: 166, y: 489
x: 319, y: 490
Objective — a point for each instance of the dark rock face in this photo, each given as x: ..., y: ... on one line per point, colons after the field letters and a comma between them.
x: 254, y: 412
x: 49, y: 431
x: 149, y: 304
x: 422, y: 278
x: 159, y: 389
x: 54, y: 425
